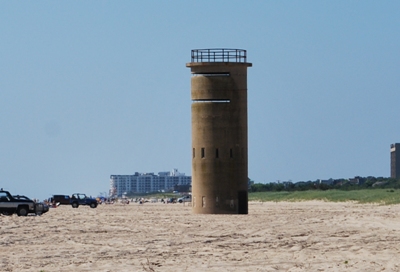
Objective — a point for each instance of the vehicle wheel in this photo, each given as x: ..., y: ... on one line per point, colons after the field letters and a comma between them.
x: 93, y: 205
x: 180, y: 201
x: 75, y: 205
x: 22, y: 211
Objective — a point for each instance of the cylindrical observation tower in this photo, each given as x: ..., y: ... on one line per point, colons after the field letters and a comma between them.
x: 219, y: 131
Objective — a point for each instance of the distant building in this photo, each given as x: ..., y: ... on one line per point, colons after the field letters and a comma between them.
x: 326, y: 181
x: 395, y: 161
x: 147, y: 182
x: 357, y: 180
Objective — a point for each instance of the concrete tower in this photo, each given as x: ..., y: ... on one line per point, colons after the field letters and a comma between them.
x: 394, y: 161
x: 219, y: 131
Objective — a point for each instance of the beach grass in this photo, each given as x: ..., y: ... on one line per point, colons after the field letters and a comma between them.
x: 378, y: 196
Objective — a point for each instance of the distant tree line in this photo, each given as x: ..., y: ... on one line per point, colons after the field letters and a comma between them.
x: 356, y: 183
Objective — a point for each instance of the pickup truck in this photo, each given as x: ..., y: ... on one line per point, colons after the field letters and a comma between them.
x: 82, y: 199
x: 21, y: 205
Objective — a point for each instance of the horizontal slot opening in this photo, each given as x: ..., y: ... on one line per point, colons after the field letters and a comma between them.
x: 211, y: 101
x: 224, y: 74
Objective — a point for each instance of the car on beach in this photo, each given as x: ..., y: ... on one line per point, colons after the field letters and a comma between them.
x: 82, y: 199
x: 186, y: 198
x: 19, y: 204
x: 61, y: 200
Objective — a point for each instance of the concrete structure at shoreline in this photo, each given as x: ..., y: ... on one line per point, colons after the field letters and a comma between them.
x: 219, y: 131
x: 147, y: 182
x: 395, y: 160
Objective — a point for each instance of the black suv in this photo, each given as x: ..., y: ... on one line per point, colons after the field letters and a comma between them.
x: 21, y: 205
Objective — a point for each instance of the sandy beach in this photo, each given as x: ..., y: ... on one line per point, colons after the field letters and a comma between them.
x: 301, y: 236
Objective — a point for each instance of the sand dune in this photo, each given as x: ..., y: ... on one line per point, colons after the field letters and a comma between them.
x: 305, y: 236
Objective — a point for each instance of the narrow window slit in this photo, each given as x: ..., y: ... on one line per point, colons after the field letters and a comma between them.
x: 223, y: 74
x: 211, y: 101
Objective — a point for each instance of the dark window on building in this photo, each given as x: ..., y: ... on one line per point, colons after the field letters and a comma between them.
x: 216, y: 153
x: 203, y: 152
x: 194, y: 152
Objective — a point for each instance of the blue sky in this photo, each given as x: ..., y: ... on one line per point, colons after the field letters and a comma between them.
x: 94, y: 88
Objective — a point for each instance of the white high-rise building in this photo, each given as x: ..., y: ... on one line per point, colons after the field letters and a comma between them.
x: 147, y: 182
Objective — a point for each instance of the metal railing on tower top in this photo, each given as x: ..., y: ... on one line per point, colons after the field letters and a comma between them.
x: 218, y: 55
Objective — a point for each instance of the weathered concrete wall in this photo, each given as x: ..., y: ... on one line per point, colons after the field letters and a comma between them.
x: 219, y: 137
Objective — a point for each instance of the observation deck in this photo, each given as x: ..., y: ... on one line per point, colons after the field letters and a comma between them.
x: 219, y: 55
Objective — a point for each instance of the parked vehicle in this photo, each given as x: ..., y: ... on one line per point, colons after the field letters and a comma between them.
x: 82, y: 199
x: 61, y: 200
x: 186, y: 198
x: 21, y: 205
x: 40, y: 207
